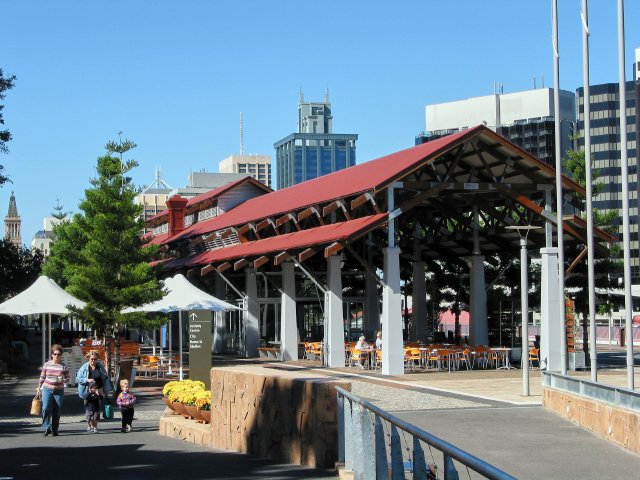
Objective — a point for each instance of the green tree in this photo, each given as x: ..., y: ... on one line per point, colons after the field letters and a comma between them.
x: 5, y: 135
x: 58, y: 211
x: 99, y: 255
x: 19, y: 268
x: 606, y: 268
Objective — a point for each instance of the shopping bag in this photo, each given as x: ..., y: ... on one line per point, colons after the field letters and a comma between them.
x: 36, y: 406
x: 108, y: 411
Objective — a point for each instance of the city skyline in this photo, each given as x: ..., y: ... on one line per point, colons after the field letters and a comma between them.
x: 174, y: 79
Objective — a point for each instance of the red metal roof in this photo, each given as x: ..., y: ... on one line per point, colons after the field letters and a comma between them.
x: 216, y: 193
x: 366, y: 176
x: 341, y: 231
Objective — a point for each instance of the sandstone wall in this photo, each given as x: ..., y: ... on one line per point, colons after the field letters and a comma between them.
x: 613, y: 423
x: 276, y: 415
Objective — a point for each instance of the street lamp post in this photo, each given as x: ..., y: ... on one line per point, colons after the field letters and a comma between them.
x: 524, y: 230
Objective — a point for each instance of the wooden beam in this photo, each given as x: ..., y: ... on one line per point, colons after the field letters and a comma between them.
x: 240, y: 264
x: 284, y: 219
x: 329, y: 209
x: 210, y: 238
x: 306, y: 254
x: 365, y: 197
x: 263, y: 224
x: 224, y: 266
x: 206, y: 269
x: 308, y: 212
x: 258, y: 262
x: 227, y: 233
x: 244, y: 229
x: 577, y: 260
x: 332, y: 249
x: 281, y: 257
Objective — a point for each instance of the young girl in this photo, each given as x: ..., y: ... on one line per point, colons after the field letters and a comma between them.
x: 92, y: 408
x: 126, y: 400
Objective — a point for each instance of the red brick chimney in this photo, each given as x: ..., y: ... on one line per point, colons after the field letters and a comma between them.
x: 177, y: 206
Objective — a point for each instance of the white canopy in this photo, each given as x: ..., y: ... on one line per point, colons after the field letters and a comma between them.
x: 184, y: 296
x: 44, y: 296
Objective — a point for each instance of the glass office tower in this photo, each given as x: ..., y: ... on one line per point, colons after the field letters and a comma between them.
x: 313, y: 151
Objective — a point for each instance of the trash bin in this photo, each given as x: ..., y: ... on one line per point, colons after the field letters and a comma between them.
x: 622, y: 336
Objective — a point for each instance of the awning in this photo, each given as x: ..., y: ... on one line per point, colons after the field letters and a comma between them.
x: 343, y: 232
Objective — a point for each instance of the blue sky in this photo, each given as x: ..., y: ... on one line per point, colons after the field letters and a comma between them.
x: 174, y: 76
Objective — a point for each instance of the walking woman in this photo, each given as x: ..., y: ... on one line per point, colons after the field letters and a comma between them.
x: 93, y: 372
x: 53, y: 377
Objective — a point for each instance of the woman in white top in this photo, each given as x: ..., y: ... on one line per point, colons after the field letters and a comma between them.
x: 379, y: 341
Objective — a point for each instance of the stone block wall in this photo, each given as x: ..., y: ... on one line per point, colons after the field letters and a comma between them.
x: 286, y: 417
x: 617, y: 424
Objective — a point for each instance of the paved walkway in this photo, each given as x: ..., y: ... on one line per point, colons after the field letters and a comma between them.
x: 479, y: 411
x: 142, y: 454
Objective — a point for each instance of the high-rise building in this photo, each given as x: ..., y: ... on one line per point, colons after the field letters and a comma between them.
x: 12, y: 223
x: 525, y: 118
x: 257, y: 166
x: 314, y: 150
x: 605, y: 153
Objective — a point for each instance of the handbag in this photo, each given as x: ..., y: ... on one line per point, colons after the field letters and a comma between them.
x: 36, y: 405
x: 108, y: 411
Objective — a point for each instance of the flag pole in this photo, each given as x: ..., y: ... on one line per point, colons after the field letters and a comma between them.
x: 624, y: 167
x: 593, y: 353
x: 559, y: 202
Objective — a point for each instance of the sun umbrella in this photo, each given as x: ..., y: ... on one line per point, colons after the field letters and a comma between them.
x: 184, y: 296
x: 44, y: 296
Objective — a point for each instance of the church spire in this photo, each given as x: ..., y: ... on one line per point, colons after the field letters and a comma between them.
x: 12, y: 223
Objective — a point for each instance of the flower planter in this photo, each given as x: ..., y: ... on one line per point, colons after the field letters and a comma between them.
x: 179, y: 408
x: 166, y: 401
x: 205, y: 415
x: 192, y: 411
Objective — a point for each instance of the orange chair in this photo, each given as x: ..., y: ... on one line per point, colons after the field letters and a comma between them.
x: 534, y: 356
x: 412, y: 358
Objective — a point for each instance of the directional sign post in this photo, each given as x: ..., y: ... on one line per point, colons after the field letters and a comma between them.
x: 200, y: 346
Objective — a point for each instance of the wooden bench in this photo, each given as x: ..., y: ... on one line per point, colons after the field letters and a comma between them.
x: 128, y: 349
x: 270, y: 352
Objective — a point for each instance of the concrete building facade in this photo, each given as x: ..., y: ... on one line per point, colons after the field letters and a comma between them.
x: 525, y: 118
x: 257, y: 166
x: 605, y: 153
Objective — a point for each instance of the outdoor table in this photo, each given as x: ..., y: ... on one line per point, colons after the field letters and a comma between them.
x: 506, y: 351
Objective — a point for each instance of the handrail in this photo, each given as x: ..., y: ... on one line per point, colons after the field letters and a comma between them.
x: 359, y: 432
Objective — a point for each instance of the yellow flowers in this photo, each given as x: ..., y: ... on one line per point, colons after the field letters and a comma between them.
x: 189, y: 392
x: 203, y: 400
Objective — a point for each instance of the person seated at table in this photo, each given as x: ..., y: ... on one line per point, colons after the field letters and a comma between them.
x: 379, y: 341
x: 362, y: 344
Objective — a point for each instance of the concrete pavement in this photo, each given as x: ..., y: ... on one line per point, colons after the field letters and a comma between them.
x: 142, y: 454
x: 479, y: 411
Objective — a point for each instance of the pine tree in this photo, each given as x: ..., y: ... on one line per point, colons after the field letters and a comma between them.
x: 605, y: 268
x: 99, y: 256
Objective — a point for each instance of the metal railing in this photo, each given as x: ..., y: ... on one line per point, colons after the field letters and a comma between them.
x: 617, y: 396
x: 366, y: 454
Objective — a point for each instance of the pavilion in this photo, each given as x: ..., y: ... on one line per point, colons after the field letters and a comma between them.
x: 312, y: 259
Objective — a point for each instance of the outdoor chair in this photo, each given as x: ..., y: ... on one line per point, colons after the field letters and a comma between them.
x: 412, y: 358
x: 534, y: 356
x: 358, y: 358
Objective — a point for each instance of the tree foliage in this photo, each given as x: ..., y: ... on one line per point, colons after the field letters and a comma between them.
x: 606, y: 268
x: 5, y: 135
x: 99, y: 256
x: 19, y: 268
